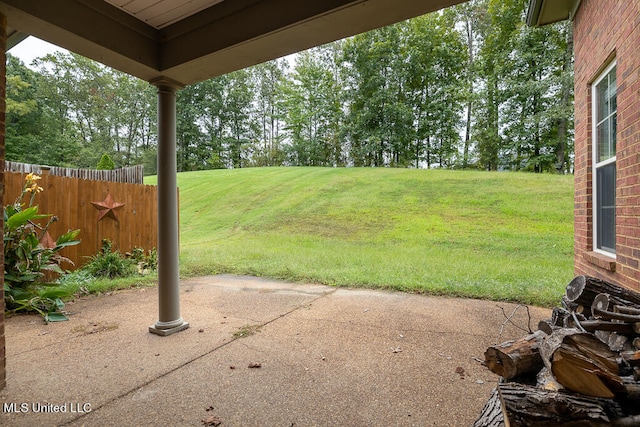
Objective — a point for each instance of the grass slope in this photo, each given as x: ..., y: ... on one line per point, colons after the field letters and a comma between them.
x: 503, y: 236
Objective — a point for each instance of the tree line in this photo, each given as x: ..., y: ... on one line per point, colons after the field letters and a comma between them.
x: 467, y: 87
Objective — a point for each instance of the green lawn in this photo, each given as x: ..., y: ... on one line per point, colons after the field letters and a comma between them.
x: 503, y: 236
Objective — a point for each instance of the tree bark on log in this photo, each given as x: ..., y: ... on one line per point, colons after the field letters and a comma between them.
x: 527, y: 406
x: 603, y: 325
x: 581, y: 363
x: 514, y: 358
x: 491, y: 415
x: 606, y: 302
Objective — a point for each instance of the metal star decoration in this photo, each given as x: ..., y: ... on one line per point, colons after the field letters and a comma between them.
x: 107, y: 207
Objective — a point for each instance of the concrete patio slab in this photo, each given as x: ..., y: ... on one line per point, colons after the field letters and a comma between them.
x: 319, y: 356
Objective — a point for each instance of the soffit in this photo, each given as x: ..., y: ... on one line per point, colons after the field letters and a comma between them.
x: 162, y: 13
x: 191, y: 41
x: 543, y: 12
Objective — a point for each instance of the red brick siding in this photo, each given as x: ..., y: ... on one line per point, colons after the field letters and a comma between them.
x: 603, y: 30
x: 3, y: 80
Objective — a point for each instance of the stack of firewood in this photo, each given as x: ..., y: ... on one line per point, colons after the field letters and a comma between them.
x: 580, y: 368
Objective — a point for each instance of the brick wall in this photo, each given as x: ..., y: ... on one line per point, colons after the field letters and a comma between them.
x: 3, y: 80
x: 605, y: 30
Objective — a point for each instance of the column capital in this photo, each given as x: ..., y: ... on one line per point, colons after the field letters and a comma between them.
x: 166, y: 83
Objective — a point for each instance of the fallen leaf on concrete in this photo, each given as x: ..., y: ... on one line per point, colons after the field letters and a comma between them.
x: 396, y: 350
x: 460, y: 371
x: 212, y: 421
x: 255, y: 365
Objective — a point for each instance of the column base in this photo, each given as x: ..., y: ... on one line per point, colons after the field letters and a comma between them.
x: 164, y: 331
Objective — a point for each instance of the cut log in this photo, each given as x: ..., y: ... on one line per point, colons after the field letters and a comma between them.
x: 491, y: 415
x: 606, y: 302
x: 631, y: 393
x: 547, y: 326
x: 631, y: 357
x: 610, y: 315
x: 582, y: 290
x: 616, y: 342
x: 514, y: 358
x: 626, y: 309
x: 524, y: 405
x: 558, y: 315
x: 603, y: 325
x: 574, y: 320
x: 581, y: 363
x: 546, y: 381
x: 601, y: 302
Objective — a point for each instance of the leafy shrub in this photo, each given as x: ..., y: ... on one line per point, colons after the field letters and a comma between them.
x: 29, y: 252
x: 106, y: 163
x: 109, y: 263
x: 145, y: 262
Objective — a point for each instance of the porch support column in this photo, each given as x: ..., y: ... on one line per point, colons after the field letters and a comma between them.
x: 169, y: 321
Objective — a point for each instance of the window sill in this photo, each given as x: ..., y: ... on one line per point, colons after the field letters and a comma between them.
x: 603, y: 261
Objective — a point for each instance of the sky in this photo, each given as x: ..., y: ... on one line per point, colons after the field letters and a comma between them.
x: 32, y: 48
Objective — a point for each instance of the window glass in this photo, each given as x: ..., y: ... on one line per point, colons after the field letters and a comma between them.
x: 605, y: 127
x: 606, y: 205
x: 606, y: 116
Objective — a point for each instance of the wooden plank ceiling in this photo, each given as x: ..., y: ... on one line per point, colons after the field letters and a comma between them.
x: 192, y: 40
x: 161, y: 13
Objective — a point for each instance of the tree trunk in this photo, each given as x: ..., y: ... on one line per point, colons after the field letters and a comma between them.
x: 563, y: 122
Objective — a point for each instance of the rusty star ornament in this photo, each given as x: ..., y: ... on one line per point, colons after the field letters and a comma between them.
x: 108, y: 207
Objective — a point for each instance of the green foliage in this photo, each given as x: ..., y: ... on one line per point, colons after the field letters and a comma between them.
x: 109, y: 263
x: 145, y: 262
x: 313, y: 109
x: 105, y: 163
x: 26, y: 259
x: 470, y: 86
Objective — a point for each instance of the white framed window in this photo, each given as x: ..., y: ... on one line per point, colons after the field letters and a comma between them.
x: 604, y: 100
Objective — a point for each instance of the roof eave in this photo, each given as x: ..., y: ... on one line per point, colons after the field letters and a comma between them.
x: 543, y: 12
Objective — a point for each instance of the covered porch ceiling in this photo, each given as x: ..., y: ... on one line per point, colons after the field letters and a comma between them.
x: 188, y: 41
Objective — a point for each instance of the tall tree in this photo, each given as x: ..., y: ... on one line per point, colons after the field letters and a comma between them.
x: 435, y: 67
x: 94, y: 109
x: 23, y: 135
x: 468, y: 16
x: 191, y: 106
x: 379, y: 120
x: 240, y: 120
x: 314, y: 109
x: 269, y: 79
x: 468, y: 86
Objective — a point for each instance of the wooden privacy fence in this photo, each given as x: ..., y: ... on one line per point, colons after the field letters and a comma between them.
x: 124, y: 213
x: 132, y: 174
